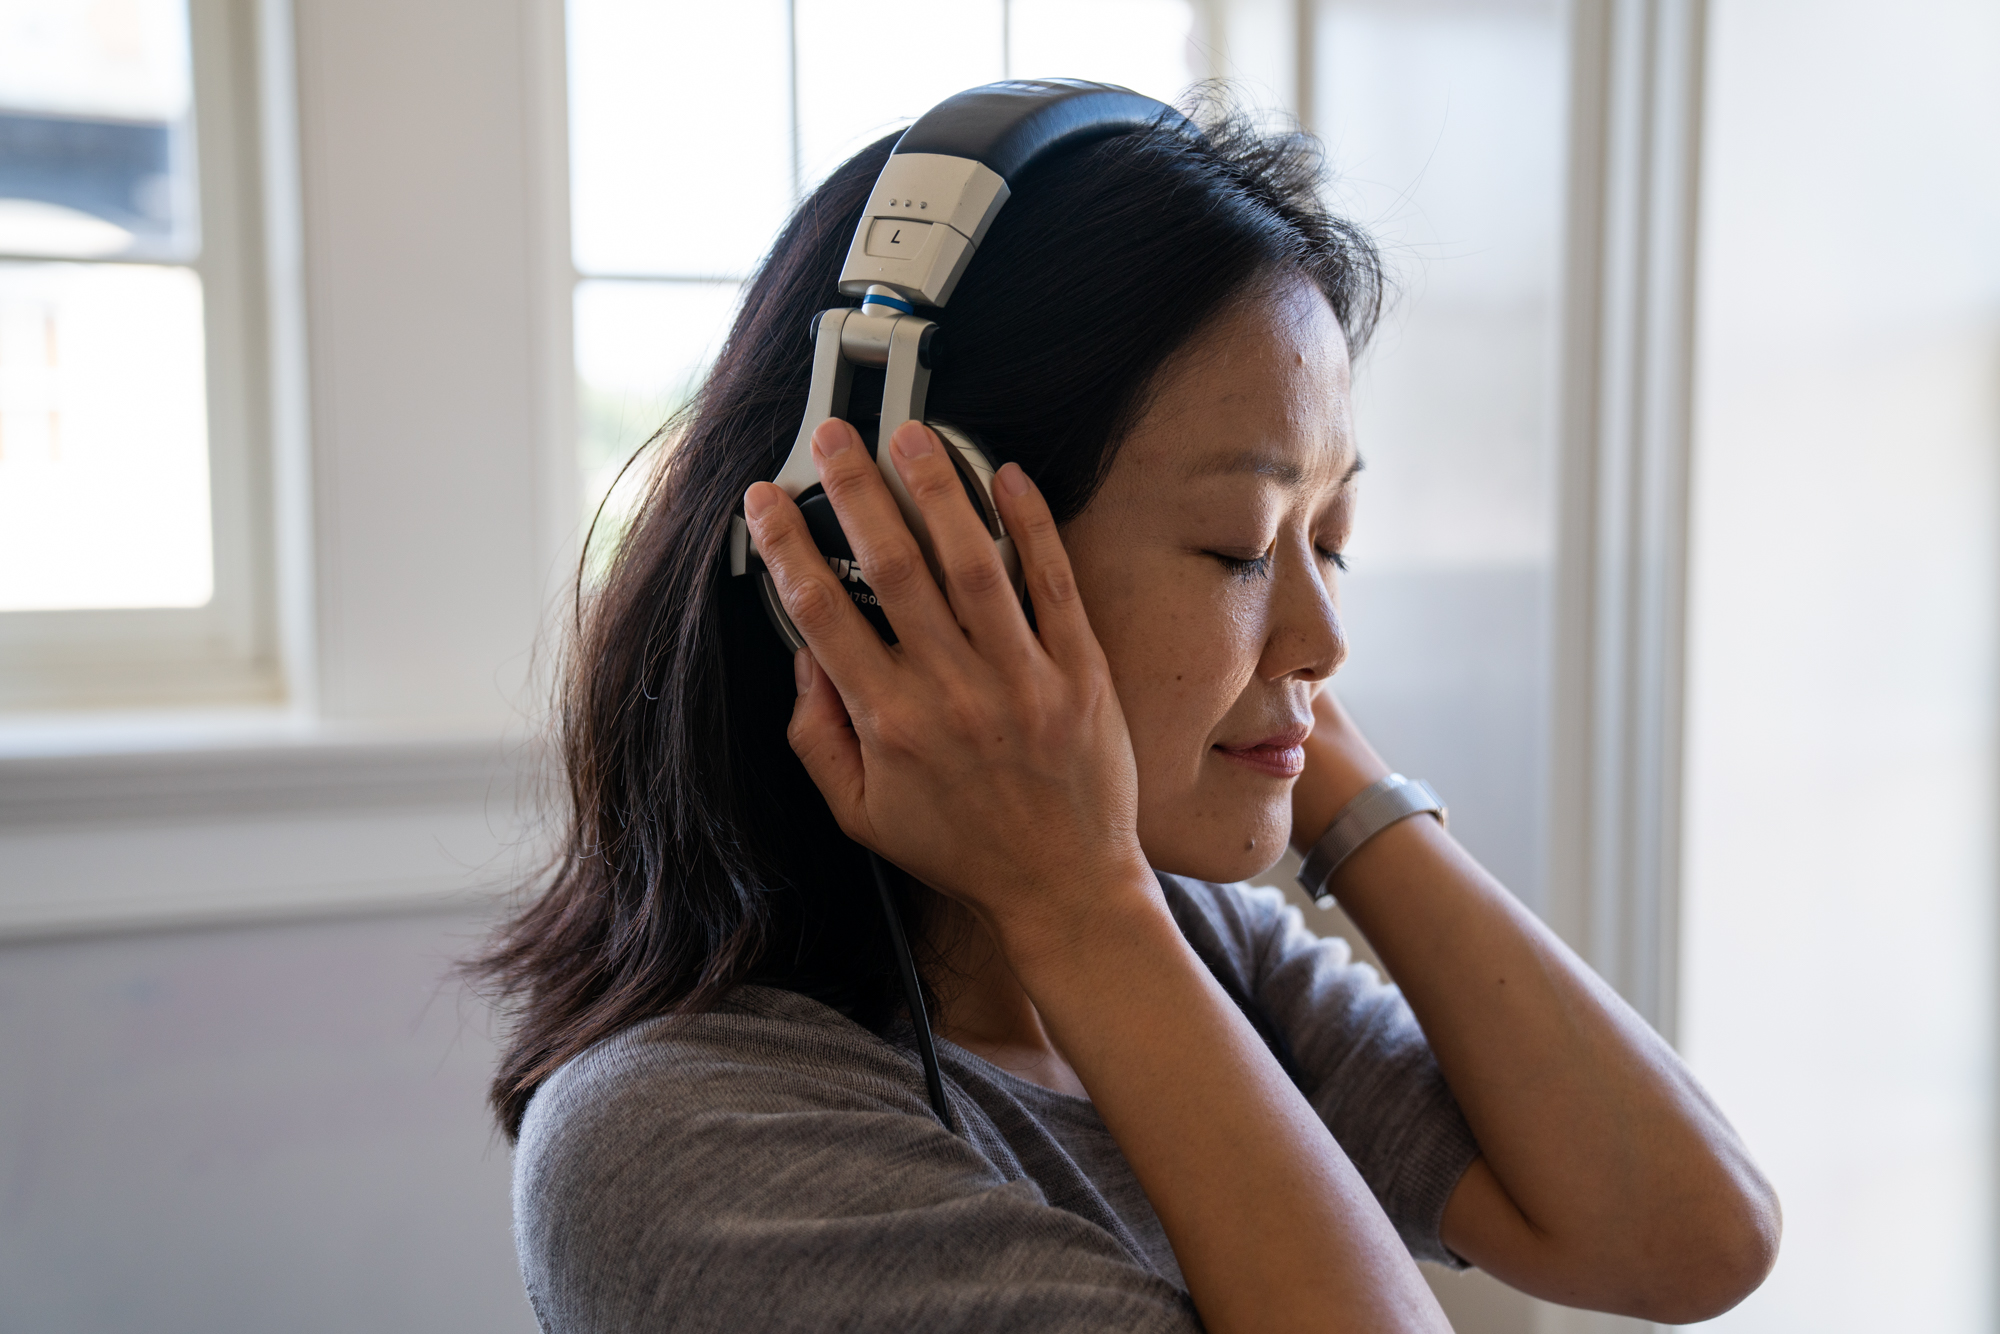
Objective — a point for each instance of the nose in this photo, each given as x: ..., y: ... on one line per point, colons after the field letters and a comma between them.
x: 1304, y: 638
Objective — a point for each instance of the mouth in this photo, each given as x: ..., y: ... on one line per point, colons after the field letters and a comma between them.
x: 1281, y: 755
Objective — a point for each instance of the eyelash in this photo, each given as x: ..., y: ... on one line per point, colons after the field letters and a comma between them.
x: 1257, y: 567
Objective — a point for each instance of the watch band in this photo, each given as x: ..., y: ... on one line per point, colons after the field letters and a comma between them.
x: 1374, y: 809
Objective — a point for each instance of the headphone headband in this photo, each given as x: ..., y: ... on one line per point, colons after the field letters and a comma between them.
x: 1008, y: 126
x: 937, y: 194
x: 949, y: 174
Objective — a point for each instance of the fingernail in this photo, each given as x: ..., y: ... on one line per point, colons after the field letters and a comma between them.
x: 832, y: 437
x: 759, y: 498
x: 1012, y: 480
x: 802, y: 670
x: 912, y: 440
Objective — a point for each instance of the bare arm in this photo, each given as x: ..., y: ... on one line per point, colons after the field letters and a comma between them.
x: 992, y: 762
x: 1609, y: 1178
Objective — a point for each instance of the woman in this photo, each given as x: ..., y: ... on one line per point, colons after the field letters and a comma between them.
x: 1167, y: 1105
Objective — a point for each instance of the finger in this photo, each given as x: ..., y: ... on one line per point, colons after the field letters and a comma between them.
x: 822, y: 736
x: 975, y: 582
x: 1051, y: 583
x: 891, y: 561
x: 834, y: 628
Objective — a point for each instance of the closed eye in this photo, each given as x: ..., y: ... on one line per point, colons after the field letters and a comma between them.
x: 1256, y: 567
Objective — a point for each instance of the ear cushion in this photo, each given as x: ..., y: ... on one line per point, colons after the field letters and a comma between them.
x: 976, y: 470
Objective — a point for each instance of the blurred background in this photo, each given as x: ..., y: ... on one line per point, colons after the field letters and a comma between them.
x: 327, y: 325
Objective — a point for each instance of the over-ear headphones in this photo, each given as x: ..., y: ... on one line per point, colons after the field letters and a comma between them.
x: 945, y: 181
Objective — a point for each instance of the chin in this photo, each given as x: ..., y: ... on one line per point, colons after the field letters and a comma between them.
x: 1210, y: 845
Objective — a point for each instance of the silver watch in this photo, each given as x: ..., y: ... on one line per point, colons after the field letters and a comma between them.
x: 1377, y: 806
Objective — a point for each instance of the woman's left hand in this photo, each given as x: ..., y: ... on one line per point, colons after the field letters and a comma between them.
x: 1579, y: 1108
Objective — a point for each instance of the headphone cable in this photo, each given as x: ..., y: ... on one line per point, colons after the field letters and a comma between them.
x: 913, y: 994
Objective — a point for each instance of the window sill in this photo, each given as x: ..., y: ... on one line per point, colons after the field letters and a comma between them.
x: 123, y: 823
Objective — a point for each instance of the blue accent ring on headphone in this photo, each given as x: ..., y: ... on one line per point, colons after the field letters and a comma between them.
x: 879, y: 295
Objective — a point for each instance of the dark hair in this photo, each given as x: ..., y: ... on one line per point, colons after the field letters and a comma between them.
x: 698, y: 855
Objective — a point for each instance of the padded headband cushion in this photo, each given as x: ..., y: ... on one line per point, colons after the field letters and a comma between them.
x: 1009, y: 125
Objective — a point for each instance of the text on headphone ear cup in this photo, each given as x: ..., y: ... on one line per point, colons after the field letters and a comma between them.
x: 832, y: 542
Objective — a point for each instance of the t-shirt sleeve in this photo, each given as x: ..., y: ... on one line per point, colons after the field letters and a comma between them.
x: 1362, y: 1060
x: 688, y: 1185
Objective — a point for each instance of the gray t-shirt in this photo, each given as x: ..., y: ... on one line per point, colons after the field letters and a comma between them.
x: 771, y: 1165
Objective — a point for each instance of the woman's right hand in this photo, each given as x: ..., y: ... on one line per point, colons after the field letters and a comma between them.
x: 987, y: 758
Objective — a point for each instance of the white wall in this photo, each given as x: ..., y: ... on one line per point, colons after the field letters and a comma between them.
x: 250, y: 1129
x: 420, y: 212
x: 259, y: 1120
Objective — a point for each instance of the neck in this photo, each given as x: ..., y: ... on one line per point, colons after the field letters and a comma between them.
x: 982, y: 1006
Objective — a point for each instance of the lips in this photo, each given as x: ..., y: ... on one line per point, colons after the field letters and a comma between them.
x: 1281, y: 755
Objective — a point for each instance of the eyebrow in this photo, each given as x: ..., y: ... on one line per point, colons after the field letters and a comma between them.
x: 1264, y: 465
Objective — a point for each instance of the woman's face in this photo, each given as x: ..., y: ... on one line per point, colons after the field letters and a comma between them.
x: 1207, y: 564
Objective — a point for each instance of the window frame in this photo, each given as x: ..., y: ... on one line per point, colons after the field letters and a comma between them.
x: 227, y: 651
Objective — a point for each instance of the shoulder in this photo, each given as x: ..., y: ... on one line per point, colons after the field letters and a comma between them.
x: 1251, y: 930
x: 641, y: 1154
x: 771, y: 1165
x: 677, y: 1103
x: 759, y: 1050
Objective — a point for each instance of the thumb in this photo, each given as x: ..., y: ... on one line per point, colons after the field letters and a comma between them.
x: 822, y: 736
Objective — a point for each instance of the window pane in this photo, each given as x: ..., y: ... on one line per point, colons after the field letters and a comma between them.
x: 96, y: 144
x: 1445, y: 126
x: 641, y: 350
x: 1145, y: 45
x: 1444, y: 123
x: 1839, y: 935
x: 680, y: 134
x: 868, y: 66
x: 103, y: 438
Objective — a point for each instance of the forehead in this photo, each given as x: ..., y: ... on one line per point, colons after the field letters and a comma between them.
x: 1263, y: 389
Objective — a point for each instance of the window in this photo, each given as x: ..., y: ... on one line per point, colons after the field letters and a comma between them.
x: 132, y: 518
x: 1840, y: 849
x: 694, y: 129
x: 1446, y: 127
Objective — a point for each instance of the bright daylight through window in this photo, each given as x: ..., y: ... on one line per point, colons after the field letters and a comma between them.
x: 104, y: 467
x: 659, y: 273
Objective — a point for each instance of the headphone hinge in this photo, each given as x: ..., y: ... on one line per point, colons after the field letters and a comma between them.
x: 864, y: 338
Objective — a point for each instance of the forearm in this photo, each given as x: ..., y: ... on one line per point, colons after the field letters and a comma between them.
x: 1590, y: 1123
x: 1631, y: 1188
x: 1272, y: 1226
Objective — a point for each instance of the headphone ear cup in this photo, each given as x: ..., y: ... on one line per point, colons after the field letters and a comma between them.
x: 976, y: 471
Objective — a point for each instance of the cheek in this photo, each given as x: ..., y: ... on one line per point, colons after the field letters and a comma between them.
x: 1180, y: 665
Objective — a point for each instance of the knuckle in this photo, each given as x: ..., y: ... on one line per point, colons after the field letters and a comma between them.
x: 1055, y: 586
x: 895, y: 569
x: 776, y: 538
x: 814, y: 608
x: 846, y: 474
x: 1037, y: 527
x: 932, y: 486
x: 977, y: 576
x: 896, y: 734
x: 965, y: 714
x: 804, y: 745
